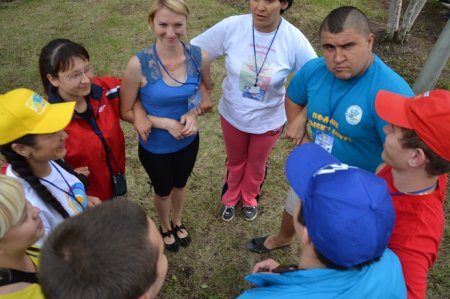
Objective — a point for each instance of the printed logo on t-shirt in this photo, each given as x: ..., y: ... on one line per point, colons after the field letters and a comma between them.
x: 80, y: 202
x: 353, y: 115
x: 247, y: 75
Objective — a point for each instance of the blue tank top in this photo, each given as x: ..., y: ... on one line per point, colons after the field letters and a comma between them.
x: 163, y: 100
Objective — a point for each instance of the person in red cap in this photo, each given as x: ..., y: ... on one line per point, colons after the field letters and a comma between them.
x: 417, y: 156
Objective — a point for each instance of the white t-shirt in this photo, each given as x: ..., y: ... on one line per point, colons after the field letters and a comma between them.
x: 49, y: 216
x: 233, y: 38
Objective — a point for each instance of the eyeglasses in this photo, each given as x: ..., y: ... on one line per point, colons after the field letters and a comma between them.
x: 88, y: 71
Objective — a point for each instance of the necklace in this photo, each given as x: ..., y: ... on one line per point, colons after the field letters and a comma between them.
x: 418, y: 192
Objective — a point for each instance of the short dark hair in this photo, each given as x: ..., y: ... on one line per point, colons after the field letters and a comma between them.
x: 436, y: 164
x: 343, y: 18
x: 104, y: 252
x: 289, y: 5
x: 58, y: 56
x: 323, y: 259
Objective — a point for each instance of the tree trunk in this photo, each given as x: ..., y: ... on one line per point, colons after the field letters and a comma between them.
x: 395, y: 9
x: 435, y: 63
x: 410, y: 16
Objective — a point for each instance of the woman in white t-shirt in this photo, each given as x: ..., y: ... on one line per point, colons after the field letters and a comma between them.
x: 32, y: 141
x: 261, y: 49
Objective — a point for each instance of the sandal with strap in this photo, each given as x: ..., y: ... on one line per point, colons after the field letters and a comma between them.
x: 183, y: 241
x: 173, y: 247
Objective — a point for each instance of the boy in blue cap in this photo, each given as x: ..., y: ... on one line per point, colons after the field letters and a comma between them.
x: 344, y: 221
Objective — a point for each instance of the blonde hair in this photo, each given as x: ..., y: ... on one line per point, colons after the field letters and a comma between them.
x: 177, y: 6
x: 12, y: 203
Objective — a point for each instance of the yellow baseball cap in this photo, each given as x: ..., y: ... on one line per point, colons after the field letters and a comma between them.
x: 22, y: 112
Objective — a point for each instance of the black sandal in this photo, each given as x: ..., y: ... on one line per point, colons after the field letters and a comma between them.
x: 170, y: 247
x: 183, y: 241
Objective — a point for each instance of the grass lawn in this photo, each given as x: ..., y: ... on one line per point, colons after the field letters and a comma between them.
x: 114, y: 30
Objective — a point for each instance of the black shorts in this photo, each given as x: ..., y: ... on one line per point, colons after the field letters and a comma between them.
x: 169, y: 170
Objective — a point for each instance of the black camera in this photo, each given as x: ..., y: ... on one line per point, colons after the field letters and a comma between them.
x: 119, y: 184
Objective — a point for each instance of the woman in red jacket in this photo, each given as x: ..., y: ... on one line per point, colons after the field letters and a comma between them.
x: 95, y: 145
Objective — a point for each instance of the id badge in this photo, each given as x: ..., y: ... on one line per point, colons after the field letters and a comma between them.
x: 324, y: 140
x: 253, y: 92
x: 254, y: 89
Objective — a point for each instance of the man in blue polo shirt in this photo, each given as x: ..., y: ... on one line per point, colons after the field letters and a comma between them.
x: 339, y: 90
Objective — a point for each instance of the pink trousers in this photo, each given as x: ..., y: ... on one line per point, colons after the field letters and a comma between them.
x: 247, y: 155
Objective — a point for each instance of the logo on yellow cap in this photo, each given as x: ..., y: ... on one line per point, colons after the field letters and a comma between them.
x: 36, y: 103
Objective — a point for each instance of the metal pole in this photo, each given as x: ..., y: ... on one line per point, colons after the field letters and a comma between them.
x: 436, y: 61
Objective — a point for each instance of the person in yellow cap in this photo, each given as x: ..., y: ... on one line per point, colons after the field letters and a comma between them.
x: 32, y: 140
x: 20, y: 227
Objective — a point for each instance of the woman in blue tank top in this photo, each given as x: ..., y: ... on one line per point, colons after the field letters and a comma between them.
x: 166, y: 77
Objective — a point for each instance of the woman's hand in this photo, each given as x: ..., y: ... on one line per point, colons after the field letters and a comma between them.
x: 189, y: 121
x: 93, y: 201
x: 84, y: 170
x: 296, y: 131
x: 296, y: 127
x: 205, y: 105
x: 143, y: 128
x: 141, y: 122
x: 265, y: 266
x: 175, y: 128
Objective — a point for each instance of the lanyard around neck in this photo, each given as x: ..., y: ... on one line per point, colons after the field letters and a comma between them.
x: 418, y: 192
x: 267, y: 53
x: 338, y: 101
x: 71, y: 193
x: 185, y: 50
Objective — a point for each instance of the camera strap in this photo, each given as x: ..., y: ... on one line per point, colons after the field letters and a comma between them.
x: 90, y: 119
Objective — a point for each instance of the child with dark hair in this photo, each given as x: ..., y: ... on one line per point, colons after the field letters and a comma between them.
x: 31, y: 140
x: 417, y: 154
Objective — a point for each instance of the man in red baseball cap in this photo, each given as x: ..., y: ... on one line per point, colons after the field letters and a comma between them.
x: 417, y: 156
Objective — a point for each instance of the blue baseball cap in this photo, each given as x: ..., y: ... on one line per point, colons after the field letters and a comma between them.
x: 348, y: 211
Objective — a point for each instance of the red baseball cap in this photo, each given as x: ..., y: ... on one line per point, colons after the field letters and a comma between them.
x: 428, y: 114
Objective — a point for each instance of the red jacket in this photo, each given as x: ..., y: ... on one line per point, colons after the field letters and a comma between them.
x: 84, y: 147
